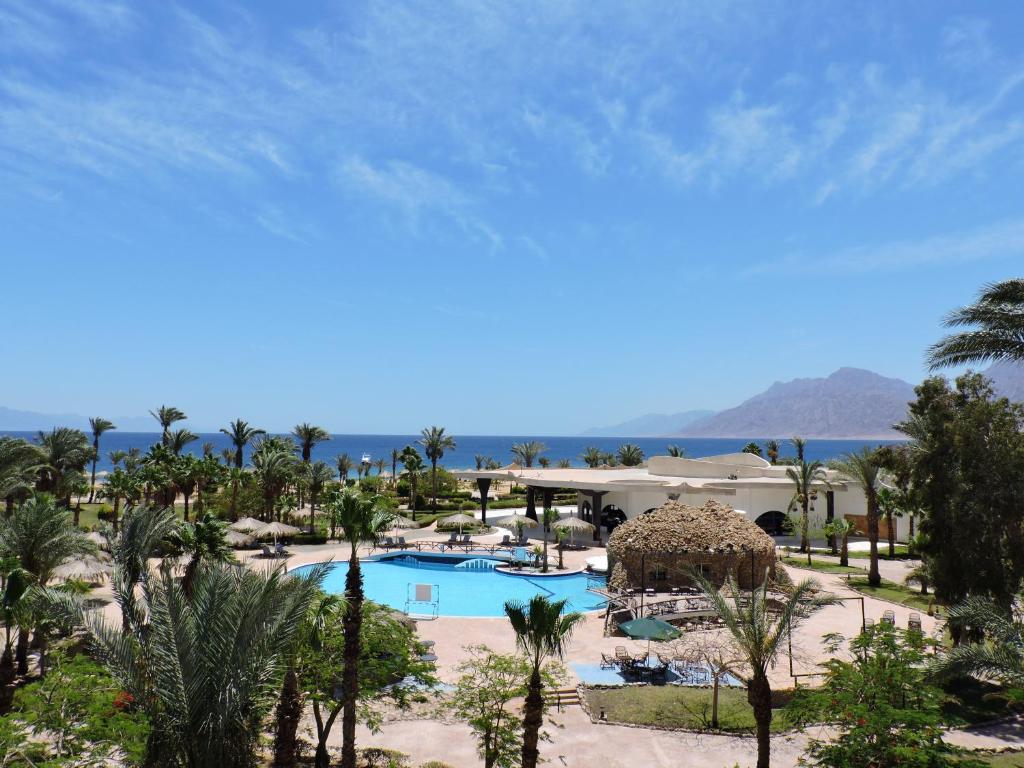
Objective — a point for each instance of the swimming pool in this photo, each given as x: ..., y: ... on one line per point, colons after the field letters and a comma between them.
x: 464, y: 591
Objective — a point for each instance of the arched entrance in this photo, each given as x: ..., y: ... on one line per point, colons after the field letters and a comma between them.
x: 613, y: 517
x: 774, y: 523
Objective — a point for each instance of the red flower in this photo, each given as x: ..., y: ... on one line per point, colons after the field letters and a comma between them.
x: 123, y: 700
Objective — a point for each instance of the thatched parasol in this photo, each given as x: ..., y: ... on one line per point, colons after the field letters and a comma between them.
x: 99, y: 540
x: 399, y: 523
x: 88, y: 567
x: 516, y: 521
x: 275, y: 529
x: 460, y: 519
x: 572, y: 524
x: 239, y: 539
x: 247, y: 525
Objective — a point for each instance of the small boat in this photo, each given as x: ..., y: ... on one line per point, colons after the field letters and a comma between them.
x: 365, y: 459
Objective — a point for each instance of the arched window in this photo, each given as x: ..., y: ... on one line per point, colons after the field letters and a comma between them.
x: 613, y: 517
x: 774, y: 523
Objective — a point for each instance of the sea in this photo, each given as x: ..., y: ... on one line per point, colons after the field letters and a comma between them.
x: 498, y: 447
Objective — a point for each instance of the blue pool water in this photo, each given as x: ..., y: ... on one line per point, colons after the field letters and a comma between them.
x: 460, y: 592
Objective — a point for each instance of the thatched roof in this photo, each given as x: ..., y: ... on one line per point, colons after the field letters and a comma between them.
x: 680, y: 527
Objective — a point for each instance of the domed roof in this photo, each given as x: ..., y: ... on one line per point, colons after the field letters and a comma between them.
x: 680, y: 527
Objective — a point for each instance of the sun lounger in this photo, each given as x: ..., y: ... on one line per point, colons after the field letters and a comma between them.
x: 465, y: 539
x: 267, y: 551
x: 453, y: 538
x: 280, y: 551
x: 506, y: 541
x: 386, y: 544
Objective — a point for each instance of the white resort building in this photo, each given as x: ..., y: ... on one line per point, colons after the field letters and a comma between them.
x: 747, y: 483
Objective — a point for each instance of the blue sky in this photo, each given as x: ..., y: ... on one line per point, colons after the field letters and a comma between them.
x: 501, y: 217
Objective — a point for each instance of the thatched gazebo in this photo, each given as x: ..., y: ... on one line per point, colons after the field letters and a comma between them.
x: 660, y: 549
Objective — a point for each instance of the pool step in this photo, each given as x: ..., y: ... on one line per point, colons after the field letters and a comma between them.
x: 477, y: 564
x: 565, y: 697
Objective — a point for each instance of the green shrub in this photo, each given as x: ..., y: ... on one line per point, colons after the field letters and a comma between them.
x: 309, y: 538
x: 381, y: 757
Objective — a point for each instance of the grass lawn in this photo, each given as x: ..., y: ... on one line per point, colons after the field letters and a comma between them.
x: 675, y: 706
x: 1002, y: 760
x: 883, y: 553
x: 824, y: 566
x: 890, y: 590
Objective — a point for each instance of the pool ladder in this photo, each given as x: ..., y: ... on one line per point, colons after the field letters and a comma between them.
x: 477, y: 564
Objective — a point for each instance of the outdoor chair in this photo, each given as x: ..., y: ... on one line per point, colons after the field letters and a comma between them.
x: 466, y: 538
x: 267, y: 551
x: 401, y: 542
x: 280, y: 551
x: 889, y: 617
x: 506, y: 541
x: 914, y: 622
x: 621, y: 654
x: 453, y: 538
x: 386, y: 544
x: 608, y: 662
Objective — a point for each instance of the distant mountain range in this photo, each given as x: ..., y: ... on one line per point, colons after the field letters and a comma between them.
x: 12, y: 420
x: 850, y: 403
x: 650, y: 425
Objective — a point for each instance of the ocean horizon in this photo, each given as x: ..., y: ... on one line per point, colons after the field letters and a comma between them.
x: 497, y: 447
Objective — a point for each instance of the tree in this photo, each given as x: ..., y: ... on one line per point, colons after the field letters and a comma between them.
x: 142, y: 533
x: 862, y: 468
x: 177, y: 439
x: 564, y: 463
x: 98, y: 426
x: 435, y: 442
x: 804, y: 477
x: 241, y: 434
x: 592, y: 456
x: 20, y: 465
x: 66, y: 452
x: 630, y: 455
x: 16, y: 585
x: 890, y: 506
x: 184, y: 471
x: 396, y: 457
x: 717, y: 654
x: 526, y: 454
x: 181, y: 655
x: 318, y: 475
x: 413, y: 465
x: 550, y: 516
x: 488, y: 684
x: 753, y: 448
x: 167, y: 415
x: 203, y: 542
x: 998, y: 332
x: 799, y: 445
x: 1001, y: 657
x: 481, y: 461
x: 360, y: 519
x: 121, y: 485
x: 308, y: 436
x: 344, y: 464
x: 41, y: 536
x: 880, y: 702
x: 758, y: 630
x: 840, y: 529
x: 676, y: 452
x: 771, y: 449
x: 273, y: 468
x: 542, y: 633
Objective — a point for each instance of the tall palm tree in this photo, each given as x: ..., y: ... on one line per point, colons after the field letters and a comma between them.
x: 630, y: 455
x: 236, y: 477
x: 379, y: 465
x: 184, y: 473
x: 361, y: 519
x: 180, y: 656
x: 317, y: 476
x: 542, y: 632
x: 435, y: 442
x: 771, y: 449
x: 592, y: 457
x: 20, y: 465
x: 98, y: 426
x: 177, y: 439
x: 241, y: 434
x: 804, y: 477
x: 526, y: 454
x: 799, y: 445
x: 116, y: 457
x: 307, y: 436
x: 167, y: 415
x: 344, y: 464
x: 997, y: 317
x: 758, y: 629
x: 41, y: 536
x: 413, y: 464
x: 203, y: 542
x: 396, y: 456
x: 862, y: 468
x: 121, y: 485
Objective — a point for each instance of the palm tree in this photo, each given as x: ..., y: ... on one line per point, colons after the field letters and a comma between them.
x: 804, y: 477
x: 360, y: 519
x: 143, y: 532
x: 318, y: 475
x: 525, y: 454
x: 98, y: 426
x: 771, y: 449
x: 998, y: 334
x: 236, y: 479
x: 241, y: 434
x: 66, y: 453
x: 344, y: 464
x: 753, y: 448
x: 203, y: 542
x: 178, y: 439
x: 307, y: 436
x: 121, y: 485
x: 379, y: 465
x: 20, y: 465
x: 592, y: 457
x: 184, y: 473
x: 41, y: 536
x: 839, y: 530
x: 17, y: 584
x: 542, y: 632
x: 182, y: 655
x: 116, y: 457
x: 799, y: 444
x: 435, y: 442
x: 630, y: 455
x: 676, y: 452
x: 480, y: 461
x: 862, y: 468
x: 167, y: 415
x: 758, y: 628
x: 274, y: 468
x: 1001, y: 656
x: 413, y: 464
x: 396, y: 456
x: 564, y: 463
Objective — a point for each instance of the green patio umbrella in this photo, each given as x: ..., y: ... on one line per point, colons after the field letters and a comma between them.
x: 649, y: 629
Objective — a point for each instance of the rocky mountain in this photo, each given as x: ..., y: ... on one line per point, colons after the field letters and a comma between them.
x: 650, y: 425
x: 850, y: 403
x: 12, y: 420
x: 1007, y: 380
